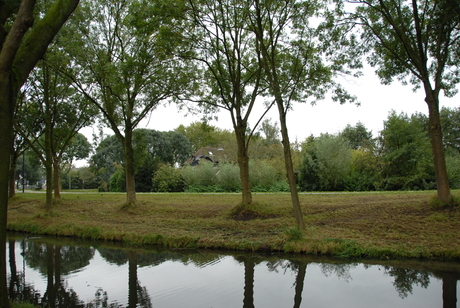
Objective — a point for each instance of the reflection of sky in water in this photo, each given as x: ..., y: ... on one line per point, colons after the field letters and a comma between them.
x: 221, y: 284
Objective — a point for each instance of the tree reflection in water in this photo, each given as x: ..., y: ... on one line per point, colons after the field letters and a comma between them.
x: 55, y: 260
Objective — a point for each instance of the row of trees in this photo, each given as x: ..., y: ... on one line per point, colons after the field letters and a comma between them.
x: 397, y: 158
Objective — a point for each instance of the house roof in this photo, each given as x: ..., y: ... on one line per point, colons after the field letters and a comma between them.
x: 211, y: 154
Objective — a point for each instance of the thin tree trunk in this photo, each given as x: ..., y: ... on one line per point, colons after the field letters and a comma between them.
x: 129, y: 167
x: 299, y: 282
x: 248, y: 299
x: 132, y: 280
x: 12, y: 176
x: 243, y: 164
x: 49, y: 187
x: 437, y: 147
x: 56, y: 179
x: 48, y: 155
x: 290, y: 168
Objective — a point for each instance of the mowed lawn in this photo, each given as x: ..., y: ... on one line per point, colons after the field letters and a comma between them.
x: 375, y: 224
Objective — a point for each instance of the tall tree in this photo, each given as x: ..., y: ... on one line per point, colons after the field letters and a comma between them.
x: 52, y: 129
x: 126, y: 63
x: 293, y: 62
x: 20, y: 50
x: 416, y: 41
x: 226, y: 48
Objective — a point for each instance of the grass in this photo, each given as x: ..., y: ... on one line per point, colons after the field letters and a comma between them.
x: 376, y: 225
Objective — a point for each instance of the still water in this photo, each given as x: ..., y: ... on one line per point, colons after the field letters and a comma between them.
x: 61, y: 272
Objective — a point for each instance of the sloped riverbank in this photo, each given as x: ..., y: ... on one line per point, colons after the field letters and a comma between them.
x: 375, y: 225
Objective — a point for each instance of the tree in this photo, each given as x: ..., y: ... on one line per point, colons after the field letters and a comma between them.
x: 18, y: 149
x: 326, y: 163
x: 357, y: 136
x: 405, y: 153
x: 226, y: 49
x: 294, y: 62
x: 450, y: 123
x: 417, y: 40
x: 126, y: 63
x: 20, y: 51
x: 151, y: 148
x: 202, y: 135
x: 271, y: 132
x: 52, y: 130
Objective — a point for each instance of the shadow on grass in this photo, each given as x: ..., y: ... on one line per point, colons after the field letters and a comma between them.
x: 255, y: 210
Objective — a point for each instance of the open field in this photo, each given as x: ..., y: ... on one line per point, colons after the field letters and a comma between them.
x: 377, y: 225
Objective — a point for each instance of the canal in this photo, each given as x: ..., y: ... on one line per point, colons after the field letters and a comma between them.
x: 63, y: 272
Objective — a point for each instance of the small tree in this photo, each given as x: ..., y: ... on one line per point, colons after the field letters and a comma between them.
x: 405, y: 153
x: 326, y: 163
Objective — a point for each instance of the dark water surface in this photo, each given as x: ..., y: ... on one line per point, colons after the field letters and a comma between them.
x: 61, y: 272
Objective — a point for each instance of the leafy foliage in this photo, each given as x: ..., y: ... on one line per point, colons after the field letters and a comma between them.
x: 168, y: 179
x: 326, y: 163
x: 406, y: 154
x: 151, y: 149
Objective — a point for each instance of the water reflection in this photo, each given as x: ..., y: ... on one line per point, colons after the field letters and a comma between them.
x: 52, y: 272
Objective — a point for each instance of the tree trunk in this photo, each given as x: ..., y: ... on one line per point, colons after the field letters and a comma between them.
x: 299, y: 282
x: 56, y: 178
x: 132, y: 280
x: 243, y: 164
x: 6, y: 140
x: 129, y: 167
x: 49, y: 187
x: 449, y: 291
x: 437, y: 147
x: 290, y: 168
x: 12, y: 176
x: 248, y: 299
x: 48, y: 154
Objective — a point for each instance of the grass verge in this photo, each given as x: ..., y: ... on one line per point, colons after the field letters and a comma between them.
x: 376, y: 225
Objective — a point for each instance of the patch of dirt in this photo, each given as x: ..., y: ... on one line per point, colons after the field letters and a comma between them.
x: 245, y: 216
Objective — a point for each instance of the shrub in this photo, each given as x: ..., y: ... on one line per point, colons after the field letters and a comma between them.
x: 228, y: 177
x: 263, y: 176
x: 118, y: 181
x: 200, y: 175
x: 168, y: 179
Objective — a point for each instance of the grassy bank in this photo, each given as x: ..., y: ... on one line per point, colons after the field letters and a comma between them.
x: 376, y: 225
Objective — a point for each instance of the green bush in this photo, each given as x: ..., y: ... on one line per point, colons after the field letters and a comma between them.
x: 118, y: 181
x: 168, y: 179
x: 228, y: 178
x: 263, y: 176
x: 203, y: 174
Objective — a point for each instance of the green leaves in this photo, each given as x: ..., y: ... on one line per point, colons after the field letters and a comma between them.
x: 413, y: 38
